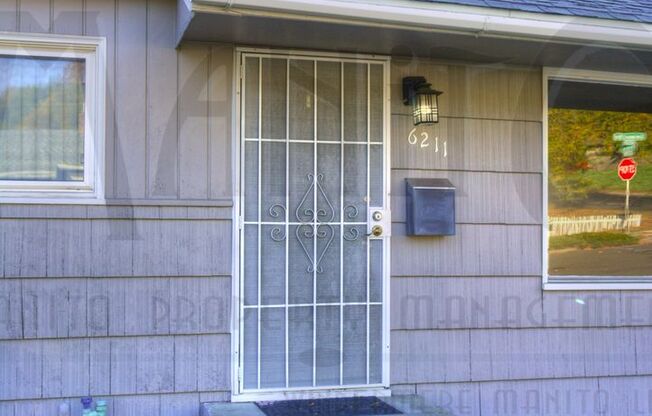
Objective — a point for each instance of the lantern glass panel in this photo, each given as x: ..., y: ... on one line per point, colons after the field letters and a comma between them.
x: 425, y: 108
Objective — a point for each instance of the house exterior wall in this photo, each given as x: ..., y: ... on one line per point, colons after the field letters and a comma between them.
x: 472, y: 329
x: 132, y: 300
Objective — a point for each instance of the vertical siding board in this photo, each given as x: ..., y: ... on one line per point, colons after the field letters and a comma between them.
x: 37, y: 408
x: 7, y: 409
x: 215, y: 305
x: 123, y: 366
x: 476, y: 250
x: 155, y: 372
x: 55, y: 308
x: 567, y: 350
x: 186, y: 363
x: 193, y: 116
x: 550, y: 397
x: 11, y: 309
x: 466, y: 302
x: 501, y: 93
x: 214, y: 352
x: 609, y: 352
x: 9, y: 15
x: 597, y: 309
x: 106, y: 307
x: 66, y: 365
x: 182, y: 248
x: 455, y: 398
x: 100, y: 366
x: 157, y: 251
x: 643, y: 339
x: 179, y: 404
x: 35, y: 16
x: 427, y: 356
x: 219, y: 241
x: 147, y: 306
x: 21, y: 369
x: 214, y: 396
x: 112, y: 247
x: 131, y: 98
x: 137, y: 406
x: 25, y: 243
x: 198, y: 255
x: 551, y: 353
x: 100, y: 20
x: 68, y: 17
x: 98, y: 305
x: 69, y: 248
x: 220, y: 83
x: 471, y: 144
x: 184, y: 306
x: 162, y: 127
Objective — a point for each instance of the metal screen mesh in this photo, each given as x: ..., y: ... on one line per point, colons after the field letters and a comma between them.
x: 313, y: 162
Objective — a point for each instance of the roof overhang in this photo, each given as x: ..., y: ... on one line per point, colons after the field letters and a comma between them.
x: 402, y: 27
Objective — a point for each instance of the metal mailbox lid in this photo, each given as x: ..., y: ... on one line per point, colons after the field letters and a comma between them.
x: 429, y: 183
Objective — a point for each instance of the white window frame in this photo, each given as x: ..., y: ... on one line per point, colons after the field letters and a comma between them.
x: 93, y: 51
x: 583, y: 282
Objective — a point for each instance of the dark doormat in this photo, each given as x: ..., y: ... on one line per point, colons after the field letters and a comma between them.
x: 354, y: 406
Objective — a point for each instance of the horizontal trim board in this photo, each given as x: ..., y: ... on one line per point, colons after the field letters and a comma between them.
x: 523, y: 380
x: 120, y: 215
x: 484, y: 276
x: 515, y: 224
x: 126, y: 277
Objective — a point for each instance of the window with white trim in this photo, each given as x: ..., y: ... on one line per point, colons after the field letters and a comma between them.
x: 51, y: 118
x: 598, y: 180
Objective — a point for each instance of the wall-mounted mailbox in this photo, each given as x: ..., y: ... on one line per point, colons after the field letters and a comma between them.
x: 430, y: 207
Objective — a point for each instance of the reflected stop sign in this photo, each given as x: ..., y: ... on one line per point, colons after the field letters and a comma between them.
x: 627, y: 169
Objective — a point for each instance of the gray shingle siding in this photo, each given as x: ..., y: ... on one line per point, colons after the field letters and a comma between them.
x: 628, y: 10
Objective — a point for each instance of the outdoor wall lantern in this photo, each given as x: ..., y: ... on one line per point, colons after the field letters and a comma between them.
x: 423, y: 99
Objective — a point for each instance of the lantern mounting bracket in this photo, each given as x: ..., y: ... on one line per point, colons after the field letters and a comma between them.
x: 410, y: 87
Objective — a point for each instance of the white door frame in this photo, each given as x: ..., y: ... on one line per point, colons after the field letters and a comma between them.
x: 236, y: 368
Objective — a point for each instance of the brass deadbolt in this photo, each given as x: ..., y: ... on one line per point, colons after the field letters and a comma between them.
x: 377, y: 231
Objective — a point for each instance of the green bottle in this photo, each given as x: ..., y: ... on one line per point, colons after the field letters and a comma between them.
x: 100, y: 408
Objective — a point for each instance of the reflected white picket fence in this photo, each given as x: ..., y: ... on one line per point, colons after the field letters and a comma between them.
x: 592, y: 224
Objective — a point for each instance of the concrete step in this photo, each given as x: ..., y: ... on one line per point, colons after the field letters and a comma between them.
x: 409, y: 405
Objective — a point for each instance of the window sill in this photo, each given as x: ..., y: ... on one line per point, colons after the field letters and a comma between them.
x: 598, y: 283
x: 51, y: 198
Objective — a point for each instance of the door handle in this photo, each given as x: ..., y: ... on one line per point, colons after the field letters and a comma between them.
x: 379, y: 222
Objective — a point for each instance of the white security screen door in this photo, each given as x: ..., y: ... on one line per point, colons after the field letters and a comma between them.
x: 313, y: 287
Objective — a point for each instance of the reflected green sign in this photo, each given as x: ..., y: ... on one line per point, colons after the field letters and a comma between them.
x: 629, y: 142
x: 630, y: 137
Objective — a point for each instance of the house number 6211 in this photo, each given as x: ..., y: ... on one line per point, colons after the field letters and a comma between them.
x: 423, y: 140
